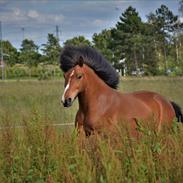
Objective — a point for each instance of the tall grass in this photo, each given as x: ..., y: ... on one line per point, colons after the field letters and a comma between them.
x: 40, y: 152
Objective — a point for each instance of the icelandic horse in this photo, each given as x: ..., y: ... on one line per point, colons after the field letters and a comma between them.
x: 90, y: 78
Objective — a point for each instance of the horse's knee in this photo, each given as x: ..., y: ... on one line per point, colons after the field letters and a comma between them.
x: 88, y: 130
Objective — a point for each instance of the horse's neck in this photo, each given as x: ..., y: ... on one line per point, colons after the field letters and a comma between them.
x: 93, y: 89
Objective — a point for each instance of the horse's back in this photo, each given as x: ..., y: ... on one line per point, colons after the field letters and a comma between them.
x: 160, y: 106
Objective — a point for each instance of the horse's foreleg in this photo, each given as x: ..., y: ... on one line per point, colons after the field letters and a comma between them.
x: 79, y: 120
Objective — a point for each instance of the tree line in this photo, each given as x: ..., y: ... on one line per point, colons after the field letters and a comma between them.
x: 151, y: 47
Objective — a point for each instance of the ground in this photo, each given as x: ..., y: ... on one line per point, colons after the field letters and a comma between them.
x: 40, y: 152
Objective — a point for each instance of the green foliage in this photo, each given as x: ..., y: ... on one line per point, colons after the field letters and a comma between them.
x: 28, y: 45
x: 132, y: 40
x: 29, y: 53
x: 10, y: 53
x: 51, y: 50
x: 41, y: 72
x: 166, y: 28
x: 102, y: 42
x: 145, y: 46
x: 78, y: 41
x: 165, y: 19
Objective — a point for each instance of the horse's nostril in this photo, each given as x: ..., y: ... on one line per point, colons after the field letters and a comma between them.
x: 67, y: 102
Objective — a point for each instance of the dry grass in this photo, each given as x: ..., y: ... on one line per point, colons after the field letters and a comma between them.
x: 43, y: 153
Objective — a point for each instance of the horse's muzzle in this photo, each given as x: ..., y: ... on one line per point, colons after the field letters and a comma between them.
x: 67, y: 102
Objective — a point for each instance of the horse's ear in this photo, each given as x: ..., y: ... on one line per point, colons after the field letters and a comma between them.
x: 81, y: 61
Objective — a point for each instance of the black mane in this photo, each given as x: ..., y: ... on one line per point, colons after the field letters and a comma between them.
x: 71, y: 54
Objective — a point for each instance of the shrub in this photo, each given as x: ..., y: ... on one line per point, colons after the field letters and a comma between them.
x: 41, y: 72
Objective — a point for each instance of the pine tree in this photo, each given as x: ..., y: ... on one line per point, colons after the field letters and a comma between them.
x: 127, y: 39
x: 165, y: 27
x: 29, y: 53
x: 51, y: 50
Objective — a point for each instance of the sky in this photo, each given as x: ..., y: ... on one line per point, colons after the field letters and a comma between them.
x: 74, y: 17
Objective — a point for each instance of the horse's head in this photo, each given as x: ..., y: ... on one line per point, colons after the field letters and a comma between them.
x: 73, y: 83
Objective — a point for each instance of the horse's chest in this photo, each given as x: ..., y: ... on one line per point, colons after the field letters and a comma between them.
x: 97, y: 121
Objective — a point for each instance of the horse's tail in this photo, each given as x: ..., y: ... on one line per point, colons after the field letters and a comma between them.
x: 178, y: 112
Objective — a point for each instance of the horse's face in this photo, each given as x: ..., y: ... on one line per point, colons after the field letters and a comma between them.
x: 73, y: 84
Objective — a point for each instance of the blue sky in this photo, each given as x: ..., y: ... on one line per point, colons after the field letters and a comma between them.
x: 79, y: 17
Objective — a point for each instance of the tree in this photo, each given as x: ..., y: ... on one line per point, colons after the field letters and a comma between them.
x: 51, y: 50
x: 10, y: 53
x: 29, y: 53
x: 166, y: 26
x: 102, y: 42
x: 127, y: 39
x: 78, y: 41
x: 28, y: 45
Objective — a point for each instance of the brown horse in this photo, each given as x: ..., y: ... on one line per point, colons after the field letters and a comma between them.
x: 93, y: 80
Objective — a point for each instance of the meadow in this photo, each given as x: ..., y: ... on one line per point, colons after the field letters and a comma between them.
x: 33, y: 149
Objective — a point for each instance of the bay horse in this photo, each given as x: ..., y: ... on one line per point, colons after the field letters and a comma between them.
x: 90, y: 77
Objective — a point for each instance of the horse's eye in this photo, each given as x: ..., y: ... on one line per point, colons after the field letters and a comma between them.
x: 79, y: 76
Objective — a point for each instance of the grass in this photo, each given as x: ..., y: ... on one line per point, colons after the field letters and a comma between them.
x: 40, y: 152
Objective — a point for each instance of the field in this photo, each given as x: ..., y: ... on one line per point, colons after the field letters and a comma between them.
x: 33, y: 149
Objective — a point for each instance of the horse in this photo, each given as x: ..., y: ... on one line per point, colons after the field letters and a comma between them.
x: 91, y: 78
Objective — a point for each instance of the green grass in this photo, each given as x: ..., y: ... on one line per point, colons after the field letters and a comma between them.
x: 19, y: 99
x: 40, y: 152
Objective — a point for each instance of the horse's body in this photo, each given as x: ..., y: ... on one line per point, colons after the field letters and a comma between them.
x: 101, y: 106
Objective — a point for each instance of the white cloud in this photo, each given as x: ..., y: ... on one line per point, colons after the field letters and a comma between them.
x: 33, y: 14
x: 47, y: 18
x: 58, y: 18
x: 13, y: 16
x: 17, y: 15
x: 99, y: 22
x: 50, y: 18
x: 43, y: 18
x: 17, y: 12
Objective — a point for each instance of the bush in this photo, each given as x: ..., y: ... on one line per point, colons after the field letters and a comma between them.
x: 20, y: 71
x: 17, y: 71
